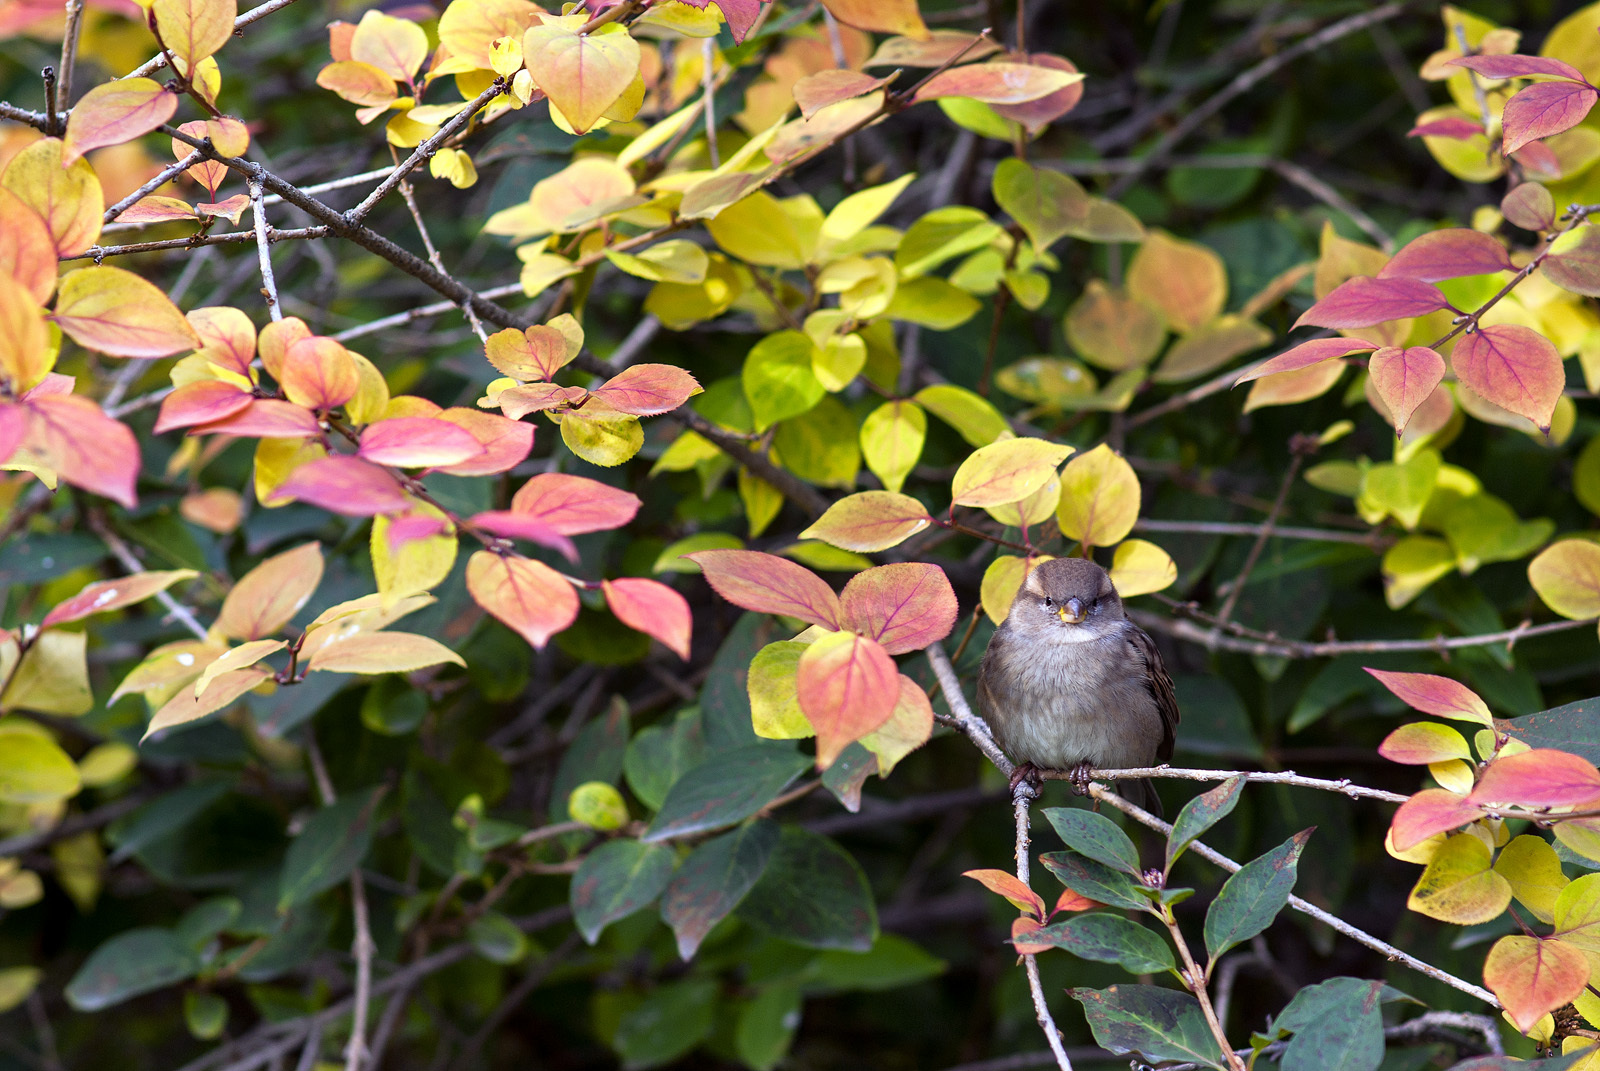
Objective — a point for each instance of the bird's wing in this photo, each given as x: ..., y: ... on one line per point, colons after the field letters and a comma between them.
x: 991, y: 658
x: 1160, y: 683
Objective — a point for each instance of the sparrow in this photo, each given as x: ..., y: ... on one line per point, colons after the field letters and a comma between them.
x: 1069, y: 683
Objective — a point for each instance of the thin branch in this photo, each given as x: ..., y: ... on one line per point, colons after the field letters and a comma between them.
x: 1195, y: 979
x: 1300, y: 447
x: 1375, y: 539
x: 708, y: 52
x: 962, y: 717
x: 98, y: 253
x: 425, y: 150
x: 1343, y: 786
x: 434, y: 259
x: 168, y: 173
x: 253, y: 15
x: 400, y: 319
x: 1021, y: 800
x: 78, y: 823
x: 363, y: 949
x: 791, y: 486
x: 124, y: 554
x: 533, y: 979
x: 269, y: 285
x: 643, y: 333
x: 69, y: 52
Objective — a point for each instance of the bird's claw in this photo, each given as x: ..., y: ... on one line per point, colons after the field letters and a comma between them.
x: 1026, y: 773
x: 1078, y: 777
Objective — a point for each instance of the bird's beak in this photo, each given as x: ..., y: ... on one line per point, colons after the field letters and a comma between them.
x: 1071, y: 612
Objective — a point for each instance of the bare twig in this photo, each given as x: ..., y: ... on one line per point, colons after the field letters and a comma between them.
x: 425, y: 150
x: 708, y: 53
x: 98, y: 253
x: 434, y: 259
x: 78, y: 823
x: 1021, y: 800
x: 1298, y: 454
x: 269, y: 285
x: 69, y: 53
x: 124, y: 554
x: 400, y: 319
x: 1343, y: 787
x: 1195, y: 979
x: 1375, y: 539
x: 166, y: 174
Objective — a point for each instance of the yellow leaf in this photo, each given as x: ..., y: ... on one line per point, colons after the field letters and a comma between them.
x: 758, y: 230
x: 1139, y: 568
x: 860, y: 210
x: 1035, y: 509
x: 1533, y: 870
x: 33, y: 768
x: 1288, y: 388
x: 762, y: 501
x: 1114, y: 329
x: 167, y: 668
x: 907, y: 729
x: 602, y: 437
x: 275, y: 459
x: 107, y: 763
x: 973, y: 416
x: 1006, y: 471
x: 598, y: 806
x: 774, y: 702
x: 184, y: 707
x: 1411, y: 565
x: 266, y: 597
x: 25, y: 353
x: 16, y: 983
x: 116, y: 312
x: 1099, y: 498
x: 881, y: 16
x: 675, y: 261
x: 891, y: 441
x: 194, y: 29
x: 80, y: 866
x: 582, y: 75
x: 395, y: 46
x: 1459, y: 886
x: 1001, y: 582
x: 1567, y: 577
x: 67, y: 196
x: 246, y: 654
x: 382, y: 652
x: 52, y: 678
x: 1184, y: 280
x: 416, y: 565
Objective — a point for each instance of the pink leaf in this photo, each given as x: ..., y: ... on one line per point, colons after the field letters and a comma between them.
x: 531, y: 598
x: 741, y: 14
x: 1404, y: 379
x: 512, y: 525
x: 1305, y: 355
x: 648, y: 389
x: 816, y: 91
x: 506, y: 443
x: 574, y: 505
x: 1514, y: 367
x: 88, y: 449
x: 1448, y: 254
x: 847, y: 686
x: 103, y: 596
x: 1539, y: 158
x: 1543, y: 109
x: 769, y: 584
x: 204, y: 401
x: 1516, y: 66
x: 1454, y: 127
x: 1364, y: 301
x: 1432, y: 694
x: 410, y: 527
x: 1543, y: 777
x: 345, y: 485
x: 13, y: 426
x: 266, y: 418
x: 1530, y: 206
x: 1577, y: 268
x: 1431, y: 811
x: 318, y: 373
x: 228, y: 337
x: 115, y: 112
x: 517, y: 402
x: 652, y: 608
x: 1036, y: 114
x: 905, y: 606
x: 412, y: 442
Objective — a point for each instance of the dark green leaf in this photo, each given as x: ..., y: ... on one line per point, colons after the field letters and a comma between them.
x: 1095, y: 880
x: 890, y: 963
x: 1108, y: 939
x: 617, y: 879
x: 728, y: 787
x: 160, y: 817
x: 672, y: 1020
x: 660, y: 754
x: 1337, y: 1026
x: 813, y: 894
x: 1574, y: 727
x: 205, y: 1014
x: 497, y: 938
x: 725, y: 700
x: 205, y: 920
x: 713, y: 880
x: 1156, y: 1023
x: 1252, y: 898
x: 1511, y: 1063
x: 595, y: 754
x: 1199, y: 815
x: 848, y: 773
x: 767, y: 1026
x: 331, y: 845
x: 1096, y: 836
x: 133, y: 962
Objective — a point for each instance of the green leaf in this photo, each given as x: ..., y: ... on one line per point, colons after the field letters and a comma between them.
x: 713, y: 880
x: 617, y: 879
x: 1095, y: 880
x: 1337, y: 1026
x: 161, y: 817
x: 726, y: 788
x: 202, y: 923
x: 1096, y: 836
x: 497, y: 938
x: 813, y: 894
x: 1574, y: 727
x: 205, y: 1014
x: 1199, y: 815
x: 33, y: 768
x: 973, y: 416
x: 767, y: 1026
x: 659, y: 754
x: 673, y: 1019
x: 331, y: 845
x: 1108, y: 939
x: 133, y: 962
x: 1158, y: 1024
x: 778, y: 379
x: 892, y: 962
x: 821, y: 445
x: 941, y: 235
x: 596, y: 754
x: 1252, y: 898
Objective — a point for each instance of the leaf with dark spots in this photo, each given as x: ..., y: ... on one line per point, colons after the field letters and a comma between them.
x: 814, y: 894
x: 1252, y: 898
x: 713, y: 880
x: 617, y: 879
x: 726, y: 788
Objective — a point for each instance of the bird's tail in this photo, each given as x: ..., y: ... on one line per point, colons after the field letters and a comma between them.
x: 1141, y: 793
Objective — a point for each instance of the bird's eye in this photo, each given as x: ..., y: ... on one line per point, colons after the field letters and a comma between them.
x: 1048, y: 602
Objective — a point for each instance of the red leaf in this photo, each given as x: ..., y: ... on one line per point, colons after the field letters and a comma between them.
x: 905, y: 606
x: 103, y: 596
x: 529, y: 597
x: 512, y: 525
x: 317, y: 372
x: 204, y: 401
x: 1404, y: 379
x: 1514, y: 367
x: 69, y: 433
x: 574, y: 505
x: 409, y: 527
x: 1433, y: 810
x: 1543, y: 109
x: 1577, y: 267
x: 1529, y: 206
x: 1543, y: 777
x: 412, y: 442
x: 847, y: 686
x: 345, y: 485
x: 506, y: 443
x: 652, y: 608
x: 1448, y: 254
x: 741, y: 14
x: 816, y: 91
x: 1454, y: 127
x: 1305, y: 355
x: 1539, y: 158
x: 1439, y: 696
x: 769, y: 584
x: 266, y: 418
x: 115, y: 112
x: 1364, y: 301
x: 1516, y: 66
x: 1534, y: 976
x: 1071, y: 901
x: 648, y: 389
x: 1009, y: 886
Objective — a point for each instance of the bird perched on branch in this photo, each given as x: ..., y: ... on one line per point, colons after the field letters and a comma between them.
x: 1069, y: 683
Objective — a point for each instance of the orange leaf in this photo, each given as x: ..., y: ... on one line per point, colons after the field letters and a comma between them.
x: 65, y: 195
x: 204, y: 401
x: 275, y: 340
x: 1514, y: 367
x: 582, y: 75
x: 222, y: 692
x: 114, y: 112
x: 209, y: 173
x: 847, y: 686
x: 155, y: 209
x: 1534, y: 976
x: 997, y: 83
x: 27, y: 253
x: 194, y: 29
x: 648, y: 389
x: 505, y: 442
x: 1071, y: 901
x: 103, y: 596
x: 1011, y: 887
x: 265, y: 598
x: 574, y: 505
x: 358, y: 83
x: 227, y: 337
x: 88, y: 449
x: 870, y: 521
x: 412, y: 442
x: 1020, y: 928
x: 344, y: 485
x: 1433, y: 810
x: 25, y: 354
x: 529, y: 597
x: 1038, y: 113
x: 395, y: 46
x: 652, y: 608
x: 905, y: 606
x: 816, y: 91
x: 230, y: 209
x: 1404, y: 378
x: 881, y: 16
x: 1543, y: 777
x: 318, y: 373
x: 769, y: 584
x: 116, y: 312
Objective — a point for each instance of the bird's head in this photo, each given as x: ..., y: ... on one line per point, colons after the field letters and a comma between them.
x: 1072, y: 594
